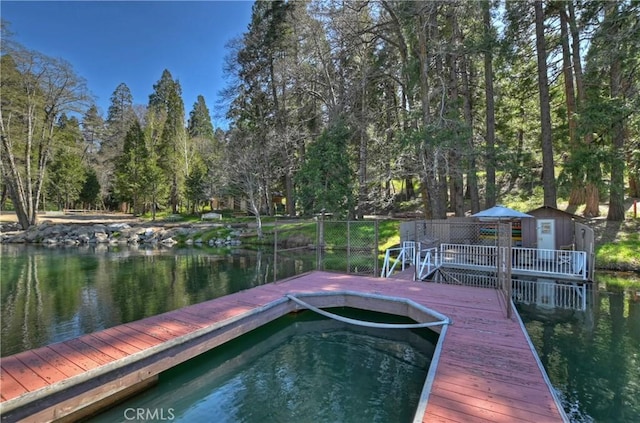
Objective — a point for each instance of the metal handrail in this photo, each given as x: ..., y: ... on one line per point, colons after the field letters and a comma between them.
x: 406, y: 253
x: 430, y: 262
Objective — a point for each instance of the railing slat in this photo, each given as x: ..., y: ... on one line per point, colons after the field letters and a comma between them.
x: 533, y: 260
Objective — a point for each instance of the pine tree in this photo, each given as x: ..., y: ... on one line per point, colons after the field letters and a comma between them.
x: 325, y: 179
x: 130, y: 169
x: 67, y: 172
x: 204, y: 155
x: 120, y: 117
x: 199, y: 125
x: 172, y: 147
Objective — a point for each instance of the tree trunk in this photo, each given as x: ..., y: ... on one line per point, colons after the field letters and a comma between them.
x: 289, y: 188
x: 616, y: 189
x: 429, y: 187
x: 577, y: 195
x: 634, y: 186
x: 410, y: 192
x: 592, y: 194
x: 455, y: 160
x: 490, y: 119
x: 362, y: 153
x: 472, y: 176
x: 548, y: 171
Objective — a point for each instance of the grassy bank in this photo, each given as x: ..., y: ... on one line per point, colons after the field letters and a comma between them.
x: 618, y: 245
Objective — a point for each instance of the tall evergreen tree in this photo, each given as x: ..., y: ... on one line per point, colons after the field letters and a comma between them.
x: 130, y: 168
x: 490, y: 118
x: 204, y: 155
x: 172, y: 149
x: 93, y: 132
x: 67, y: 174
x: 199, y: 125
x: 120, y: 117
x: 548, y: 167
x: 325, y: 180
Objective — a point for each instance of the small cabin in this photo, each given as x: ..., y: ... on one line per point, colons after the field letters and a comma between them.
x: 550, y: 229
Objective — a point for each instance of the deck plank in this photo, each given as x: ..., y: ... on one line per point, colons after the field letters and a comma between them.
x: 59, y: 362
x: 486, y: 373
x: 43, y: 368
x: 79, y: 345
x: 76, y: 357
x: 11, y: 387
x: 20, y: 372
x: 118, y: 343
x: 134, y: 337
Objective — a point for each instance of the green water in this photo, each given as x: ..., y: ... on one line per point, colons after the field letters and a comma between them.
x: 53, y: 294
x: 300, y: 368
x: 593, y: 357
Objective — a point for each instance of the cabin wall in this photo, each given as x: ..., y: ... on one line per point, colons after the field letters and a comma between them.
x: 585, y: 241
x: 529, y: 235
x: 564, y: 228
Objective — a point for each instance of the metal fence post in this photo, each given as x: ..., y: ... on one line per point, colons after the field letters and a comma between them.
x: 348, y: 246
x: 376, y: 248
x: 320, y: 241
x: 275, y: 250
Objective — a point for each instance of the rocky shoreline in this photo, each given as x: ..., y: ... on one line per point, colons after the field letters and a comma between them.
x: 78, y: 234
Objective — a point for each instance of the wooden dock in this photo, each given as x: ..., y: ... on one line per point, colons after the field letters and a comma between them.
x: 487, y: 370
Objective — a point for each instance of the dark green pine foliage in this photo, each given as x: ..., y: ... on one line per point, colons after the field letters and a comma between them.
x: 93, y: 132
x: 202, y: 140
x: 66, y: 175
x: 90, y: 193
x: 199, y: 125
x: 325, y: 180
x: 131, y: 167
x: 119, y: 118
x: 166, y: 103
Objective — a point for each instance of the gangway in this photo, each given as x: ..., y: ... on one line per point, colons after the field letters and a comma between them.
x: 424, y: 260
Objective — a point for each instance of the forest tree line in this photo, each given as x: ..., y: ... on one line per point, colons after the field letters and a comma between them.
x: 331, y: 103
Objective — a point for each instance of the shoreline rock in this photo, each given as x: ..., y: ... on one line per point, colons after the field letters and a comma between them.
x: 77, y: 234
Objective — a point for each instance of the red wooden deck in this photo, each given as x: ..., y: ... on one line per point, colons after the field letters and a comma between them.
x: 486, y: 372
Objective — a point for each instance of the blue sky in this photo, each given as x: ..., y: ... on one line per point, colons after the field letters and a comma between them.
x: 133, y: 42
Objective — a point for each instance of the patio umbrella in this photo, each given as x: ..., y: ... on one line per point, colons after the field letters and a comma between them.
x: 500, y: 212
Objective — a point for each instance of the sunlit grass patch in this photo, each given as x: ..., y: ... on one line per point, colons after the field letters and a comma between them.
x: 620, y: 254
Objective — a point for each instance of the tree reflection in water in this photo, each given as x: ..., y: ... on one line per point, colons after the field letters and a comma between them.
x: 592, y: 357
x: 53, y: 294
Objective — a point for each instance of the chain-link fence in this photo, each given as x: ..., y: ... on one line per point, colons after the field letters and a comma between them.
x: 348, y: 246
x: 294, y: 244
x: 476, y: 253
x: 339, y: 246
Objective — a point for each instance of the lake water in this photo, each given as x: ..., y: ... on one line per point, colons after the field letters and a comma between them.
x: 301, y: 367
x: 592, y: 357
x: 52, y: 294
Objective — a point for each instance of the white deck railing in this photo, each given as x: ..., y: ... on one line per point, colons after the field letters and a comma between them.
x: 403, y: 255
x: 523, y: 260
x: 427, y: 260
x: 410, y: 254
x: 557, y: 262
x: 533, y: 261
